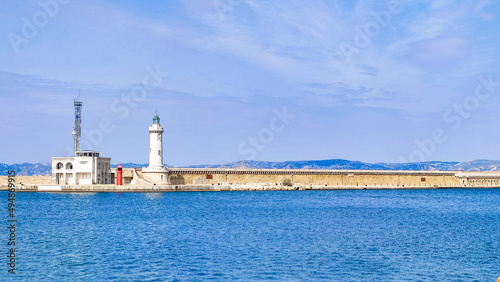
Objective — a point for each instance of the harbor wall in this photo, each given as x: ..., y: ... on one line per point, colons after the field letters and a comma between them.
x: 326, y: 178
x: 28, y: 180
x: 217, y: 179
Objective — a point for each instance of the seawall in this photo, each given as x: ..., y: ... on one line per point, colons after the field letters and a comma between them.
x: 220, y: 179
x: 28, y: 180
x: 198, y: 188
x: 333, y: 178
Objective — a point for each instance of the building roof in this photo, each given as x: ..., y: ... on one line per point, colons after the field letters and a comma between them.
x: 156, y: 119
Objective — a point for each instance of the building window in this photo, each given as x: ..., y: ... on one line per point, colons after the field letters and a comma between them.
x: 422, y: 179
x: 69, y: 166
x: 159, y: 152
x: 59, y: 165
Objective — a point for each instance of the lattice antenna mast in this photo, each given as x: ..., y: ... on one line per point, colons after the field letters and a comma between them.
x: 77, y: 128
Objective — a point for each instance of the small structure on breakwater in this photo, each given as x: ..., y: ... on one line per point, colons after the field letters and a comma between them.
x: 85, y: 167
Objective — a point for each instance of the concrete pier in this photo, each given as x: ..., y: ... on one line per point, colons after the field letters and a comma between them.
x: 218, y: 179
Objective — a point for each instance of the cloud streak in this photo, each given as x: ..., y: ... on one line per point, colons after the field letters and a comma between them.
x: 227, y: 72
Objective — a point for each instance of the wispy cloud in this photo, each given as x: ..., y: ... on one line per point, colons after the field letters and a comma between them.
x: 422, y: 61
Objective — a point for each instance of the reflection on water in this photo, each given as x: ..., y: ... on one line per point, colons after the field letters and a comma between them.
x: 153, y: 195
x: 82, y: 194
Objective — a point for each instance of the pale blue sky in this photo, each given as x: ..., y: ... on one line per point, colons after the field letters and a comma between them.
x: 372, y: 81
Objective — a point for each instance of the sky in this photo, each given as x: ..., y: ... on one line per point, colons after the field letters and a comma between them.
x: 372, y: 81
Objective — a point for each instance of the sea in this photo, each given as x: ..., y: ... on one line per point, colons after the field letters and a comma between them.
x: 337, y: 235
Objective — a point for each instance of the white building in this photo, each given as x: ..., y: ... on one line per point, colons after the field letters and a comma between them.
x: 155, y: 173
x: 85, y: 168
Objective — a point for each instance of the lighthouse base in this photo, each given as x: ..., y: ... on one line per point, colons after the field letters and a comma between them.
x: 155, y: 175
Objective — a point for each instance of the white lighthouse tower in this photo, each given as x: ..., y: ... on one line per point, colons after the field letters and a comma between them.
x: 155, y: 173
x: 155, y: 145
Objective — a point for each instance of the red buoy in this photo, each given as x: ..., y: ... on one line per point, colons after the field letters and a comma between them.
x: 119, y: 175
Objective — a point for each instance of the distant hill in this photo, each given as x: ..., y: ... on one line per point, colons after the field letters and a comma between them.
x: 130, y: 165
x: 26, y: 169
x: 343, y: 164
x: 477, y: 165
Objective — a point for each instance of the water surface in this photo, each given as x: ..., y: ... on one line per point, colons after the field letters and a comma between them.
x: 368, y: 235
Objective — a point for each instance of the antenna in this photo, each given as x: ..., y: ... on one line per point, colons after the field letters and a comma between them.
x: 77, y: 128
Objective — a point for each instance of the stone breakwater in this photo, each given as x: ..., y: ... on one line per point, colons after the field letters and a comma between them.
x: 28, y: 180
x: 219, y: 179
x: 332, y: 179
x: 195, y: 188
x: 143, y: 188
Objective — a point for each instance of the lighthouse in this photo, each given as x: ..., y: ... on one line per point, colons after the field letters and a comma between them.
x: 155, y: 145
x: 155, y: 173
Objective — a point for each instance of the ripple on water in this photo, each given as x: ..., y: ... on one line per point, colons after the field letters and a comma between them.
x: 305, y: 235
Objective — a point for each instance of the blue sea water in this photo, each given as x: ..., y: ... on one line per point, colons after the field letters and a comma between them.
x: 364, y: 235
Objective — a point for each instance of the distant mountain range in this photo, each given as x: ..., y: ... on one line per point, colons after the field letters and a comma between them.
x: 26, y: 169
x: 477, y: 165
